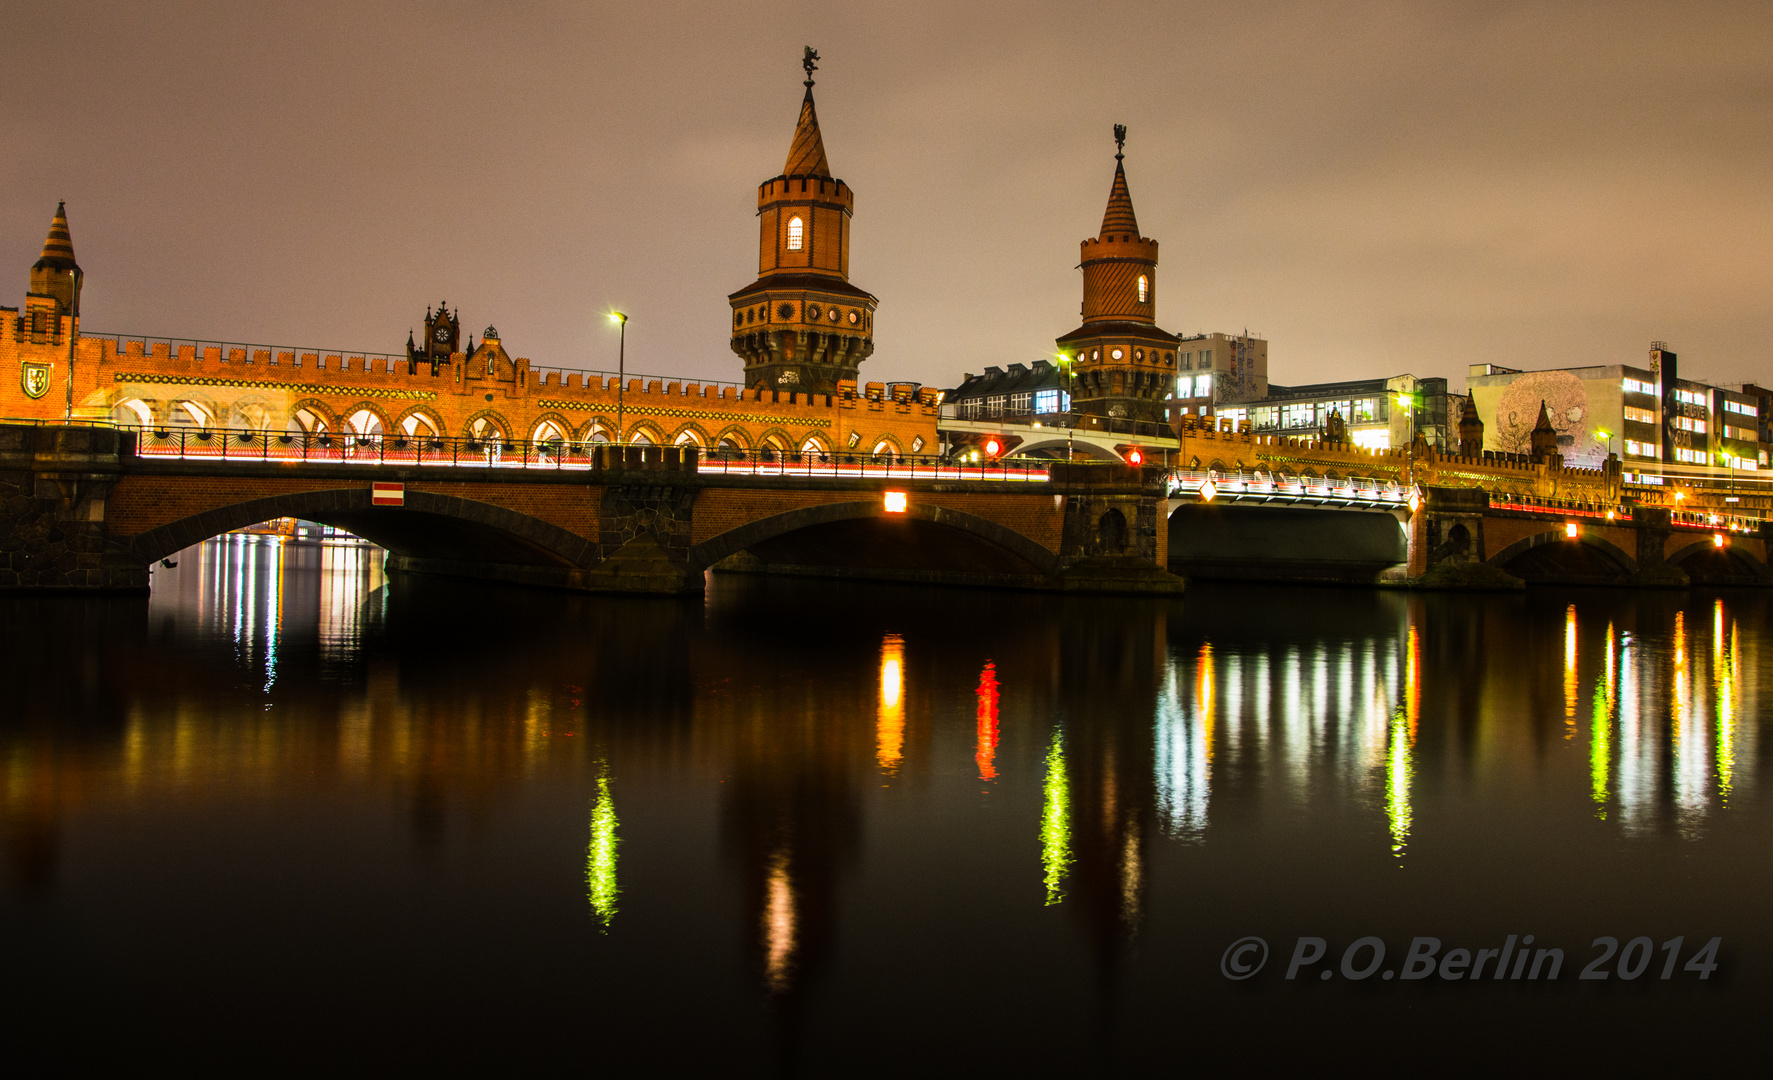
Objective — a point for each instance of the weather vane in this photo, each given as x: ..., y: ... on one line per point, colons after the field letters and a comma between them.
x: 811, y: 63
x: 1120, y: 141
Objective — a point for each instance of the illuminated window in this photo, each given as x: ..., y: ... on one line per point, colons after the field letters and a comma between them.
x: 794, y: 234
x: 1144, y: 288
x: 1639, y: 416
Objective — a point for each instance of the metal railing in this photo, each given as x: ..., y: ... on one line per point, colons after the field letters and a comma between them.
x: 244, y: 446
x: 1287, y: 487
x: 732, y: 462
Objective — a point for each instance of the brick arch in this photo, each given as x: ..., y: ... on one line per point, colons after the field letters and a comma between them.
x: 739, y: 436
x: 1520, y: 547
x: 716, y: 548
x: 1736, y: 551
x: 589, y: 429
x: 652, y: 431
x: 318, y: 408
x: 506, y: 432
x: 785, y: 442
x: 423, y: 412
x: 377, y: 411
x: 567, y: 547
x: 697, y: 432
x: 562, y: 423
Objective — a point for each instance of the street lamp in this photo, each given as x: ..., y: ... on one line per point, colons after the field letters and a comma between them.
x: 621, y: 370
x: 1070, y: 416
x: 1730, y: 460
x: 73, y: 318
x: 1607, y: 435
x: 1407, y: 402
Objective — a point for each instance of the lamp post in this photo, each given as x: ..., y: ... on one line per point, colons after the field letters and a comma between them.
x: 73, y: 318
x: 621, y: 320
x: 1070, y: 417
x: 1407, y: 402
x: 1607, y: 435
x: 1730, y: 460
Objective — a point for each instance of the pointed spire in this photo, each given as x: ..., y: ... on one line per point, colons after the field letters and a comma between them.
x: 58, y: 250
x: 1544, y: 422
x: 1119, y: 219
x: 806, y: 157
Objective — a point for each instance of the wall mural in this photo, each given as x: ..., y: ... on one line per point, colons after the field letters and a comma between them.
x: 1567, y: 404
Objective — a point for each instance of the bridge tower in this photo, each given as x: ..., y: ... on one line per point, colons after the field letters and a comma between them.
x: 55, y: 282
x: 1125, y: 366
x: 801, y: 325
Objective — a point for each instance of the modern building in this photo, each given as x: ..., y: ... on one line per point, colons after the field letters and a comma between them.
x: 1022, y: 394
x: 1379, y: 413
x: 1218, y: 369
x: 1124, y: 366
x: 1647, y: 414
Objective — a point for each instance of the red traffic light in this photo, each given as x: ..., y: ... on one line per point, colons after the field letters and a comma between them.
x: 993, y: 447
x: 1134, y: 457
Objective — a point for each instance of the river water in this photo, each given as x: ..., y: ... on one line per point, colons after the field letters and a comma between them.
x: 287, y: 813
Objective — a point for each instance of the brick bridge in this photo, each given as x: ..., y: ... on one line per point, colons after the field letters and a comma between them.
x: 81, y: 508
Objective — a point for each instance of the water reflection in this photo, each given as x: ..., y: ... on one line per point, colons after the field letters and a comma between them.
x: 830, y: 770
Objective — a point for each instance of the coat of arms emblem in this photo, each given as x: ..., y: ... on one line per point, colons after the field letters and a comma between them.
x: 35, y: 379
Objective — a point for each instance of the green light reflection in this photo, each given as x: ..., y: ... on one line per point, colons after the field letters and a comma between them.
x: 1600, y: 740
x: 1399, y: 767
x: 600, y: 856
x: 1055, y: 822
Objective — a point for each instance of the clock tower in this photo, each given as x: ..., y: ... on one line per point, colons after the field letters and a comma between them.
x: 1123, y: 366
x: 801, y: 325
x: 443, y: 336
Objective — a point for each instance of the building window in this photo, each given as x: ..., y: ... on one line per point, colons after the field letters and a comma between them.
x: 1051, y: 401
x: 994, y: 404
x: 1639, y: 416
x: 794, y: 234
x: 1203, y: 386
x: 1144, y: 289
x: 1206, y: 359
x: 1637, y: 386
x: 1020, y: 403
x: 1740, y: 408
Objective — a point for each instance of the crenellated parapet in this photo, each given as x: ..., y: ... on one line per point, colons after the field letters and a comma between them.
x: 148, y: 383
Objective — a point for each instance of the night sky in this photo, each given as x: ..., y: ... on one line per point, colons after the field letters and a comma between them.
x: 1375, y: 188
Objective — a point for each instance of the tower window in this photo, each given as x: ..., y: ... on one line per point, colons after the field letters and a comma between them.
x: 794, y: 233
x: 1144, y: 289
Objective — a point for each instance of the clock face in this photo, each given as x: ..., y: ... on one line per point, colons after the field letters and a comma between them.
x: 441, y: 335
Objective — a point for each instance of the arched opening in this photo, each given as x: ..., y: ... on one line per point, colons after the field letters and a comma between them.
x: 1558, y: 558
x: 1708, y: 563
x: 306, y: 422
x: 795, y: 233
x: 486, y: 437
x: 687, y: 437
x: 885, y: 452
x: 1144, y: 289
x: 420, y: 426
x: 1111, y: 533
x: 859, y: 539
x: 133, y: 412
x: 728, y: 450
x: 190, y: 414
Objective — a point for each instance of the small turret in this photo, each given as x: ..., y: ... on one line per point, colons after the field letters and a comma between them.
x: 1471, y: 429
x: 55, y: 277
x: 1544, y: 437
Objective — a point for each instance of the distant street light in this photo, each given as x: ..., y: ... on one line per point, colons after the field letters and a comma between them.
x: 621, y: 371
